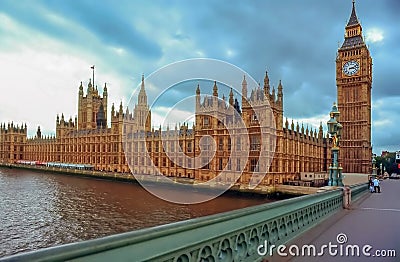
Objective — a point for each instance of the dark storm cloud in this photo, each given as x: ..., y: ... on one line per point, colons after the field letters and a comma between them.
x: 385, y: 132
x: 108, y: 26
x: 281, y: 37
x: 296, y: 41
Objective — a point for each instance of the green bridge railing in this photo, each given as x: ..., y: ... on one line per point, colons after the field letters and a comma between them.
x: 358, y: 190
x: 230, y: 236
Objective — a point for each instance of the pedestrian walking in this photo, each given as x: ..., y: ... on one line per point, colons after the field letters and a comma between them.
x: 371, y: 185
x: 377, y: 186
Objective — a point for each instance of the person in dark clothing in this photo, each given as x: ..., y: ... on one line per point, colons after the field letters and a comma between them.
x: 371, y: 185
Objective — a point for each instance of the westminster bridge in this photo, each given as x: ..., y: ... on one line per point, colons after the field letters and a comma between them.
x: 248, y: 234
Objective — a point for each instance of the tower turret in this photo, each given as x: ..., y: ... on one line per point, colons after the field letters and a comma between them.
x: 273, y: 94
x: 121, y: 110
x: 141, y: 112
x: 244, y: 91
x: 142, y: 98
x: 105, y: 101
x: 198, y: 98
x: 112, y: 110
x: 38, y: 133
x: 353, y: 36
x: 231, y: 97
x: 215, y: 95
x: 90, y: 87
x: 215, y: 89
x: 320, y: 131
x: 266, y: 85
x: 81, y: 90
x: 105, y: 93
x: 280, y: 92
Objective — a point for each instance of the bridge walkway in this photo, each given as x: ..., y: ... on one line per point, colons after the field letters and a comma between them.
x: 372, y: 220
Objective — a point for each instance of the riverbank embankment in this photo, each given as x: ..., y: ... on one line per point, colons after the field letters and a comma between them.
x: 284, y: 191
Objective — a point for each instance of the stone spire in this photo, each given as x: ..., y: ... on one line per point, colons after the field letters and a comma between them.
x: 280, y: 91
x: 353, y: 36
x: 215, y: 89
x: 121, y: 110
x: 81, y: 89
x: 90, y: 86
x: 112, y: 109
x: 197, y: 97
x: 105, y: 89
x: 244, y: 87
x: 38, y: 133
x: 353, y: 17
x: 266, y: 84
x: 142, y: 98
x: 231, y: 97
x: 273, y: 94
x: 320, y: 132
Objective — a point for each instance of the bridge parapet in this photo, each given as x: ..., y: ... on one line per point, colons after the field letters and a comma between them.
x: 357, y: 190
x: 230, y: 236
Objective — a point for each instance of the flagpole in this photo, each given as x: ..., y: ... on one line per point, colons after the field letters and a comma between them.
x: 93, y: 76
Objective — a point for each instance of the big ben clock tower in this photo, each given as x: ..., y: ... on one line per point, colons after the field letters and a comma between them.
x: 354, y: 82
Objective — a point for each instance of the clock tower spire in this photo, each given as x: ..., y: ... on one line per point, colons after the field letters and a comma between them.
x: 354, y: 83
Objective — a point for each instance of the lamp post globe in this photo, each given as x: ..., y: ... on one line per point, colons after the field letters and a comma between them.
x: 331, y: 125
x: 335, y: 112
x: 335, y: 131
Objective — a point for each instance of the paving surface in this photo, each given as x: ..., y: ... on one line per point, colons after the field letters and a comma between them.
x: 373, y: 220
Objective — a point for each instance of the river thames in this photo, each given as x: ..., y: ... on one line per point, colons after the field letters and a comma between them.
x: 40, y: 210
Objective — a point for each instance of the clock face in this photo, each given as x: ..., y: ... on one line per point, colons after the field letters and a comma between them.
x: 351, y: 67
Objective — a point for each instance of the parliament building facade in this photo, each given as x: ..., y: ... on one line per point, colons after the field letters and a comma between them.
x: 131, y: 145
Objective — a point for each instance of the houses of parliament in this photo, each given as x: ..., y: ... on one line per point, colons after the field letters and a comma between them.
x: 131, y: 145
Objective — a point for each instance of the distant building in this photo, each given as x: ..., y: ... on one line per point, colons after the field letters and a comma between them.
x: 385, y: 153
x: 313, y: 179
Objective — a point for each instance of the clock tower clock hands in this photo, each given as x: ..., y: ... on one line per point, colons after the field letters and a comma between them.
x: 351, y: 67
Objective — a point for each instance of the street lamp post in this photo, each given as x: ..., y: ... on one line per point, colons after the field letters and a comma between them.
x: 374, y: 165
x: 335, y: 130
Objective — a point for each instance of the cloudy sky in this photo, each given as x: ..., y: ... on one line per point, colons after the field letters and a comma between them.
x: 47, y: 48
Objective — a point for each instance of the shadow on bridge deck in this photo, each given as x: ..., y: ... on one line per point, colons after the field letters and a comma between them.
x: 372, y: 223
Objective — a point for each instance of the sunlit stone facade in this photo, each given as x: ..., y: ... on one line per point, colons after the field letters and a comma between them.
x: 176, y: 152
x: 294, y: 149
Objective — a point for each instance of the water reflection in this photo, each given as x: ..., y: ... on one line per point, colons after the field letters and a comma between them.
x: 39, y: 210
